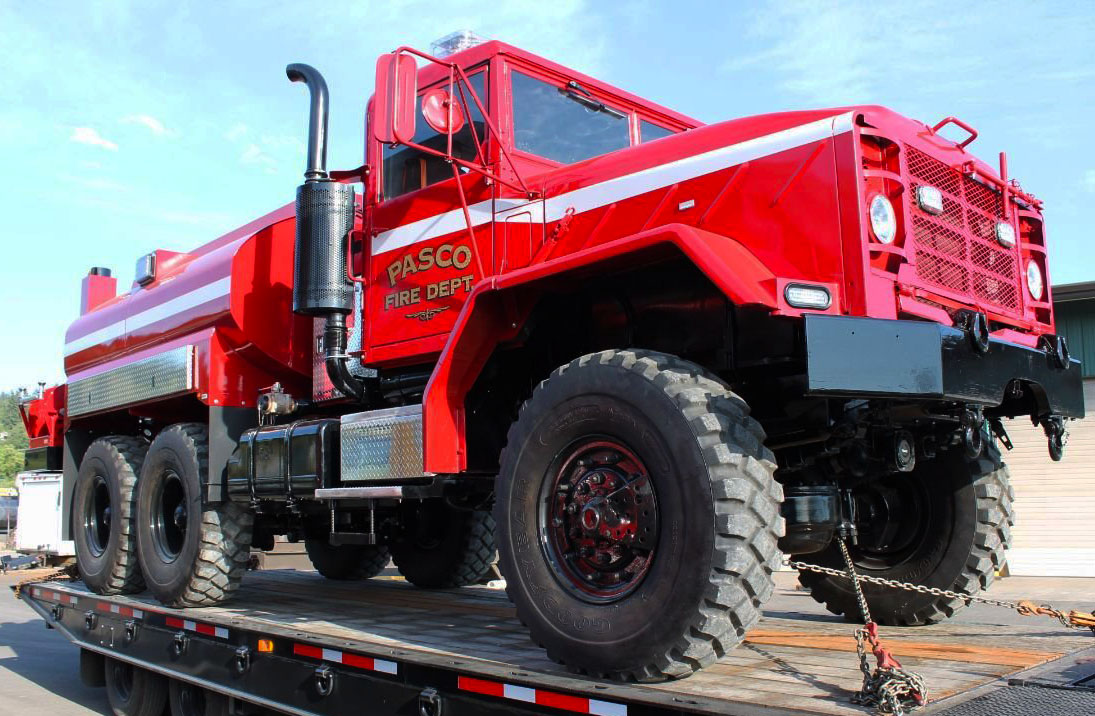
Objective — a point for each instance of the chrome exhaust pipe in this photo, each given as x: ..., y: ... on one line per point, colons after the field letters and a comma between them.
x: 319, y: 104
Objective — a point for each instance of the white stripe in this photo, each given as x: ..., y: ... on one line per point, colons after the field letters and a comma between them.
x: 431, y: 227
x: 519, y: 693
x: 332, y: 655
x: 220, y: 632
x: 189, y: 625
x: 73, y: 600
x: 388, y: 667
x: 623, y: 187
x: 115, y: 608
x: 606, y: 708
x: 202, y: 294
x: 138, y: 614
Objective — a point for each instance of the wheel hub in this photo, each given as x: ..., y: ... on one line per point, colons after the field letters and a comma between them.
x: 600, y: 523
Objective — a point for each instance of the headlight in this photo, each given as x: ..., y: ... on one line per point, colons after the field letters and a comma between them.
x: 1005, y: 234
x: 883, y: 219
x: 802, y: 296
x: 1035, y: 284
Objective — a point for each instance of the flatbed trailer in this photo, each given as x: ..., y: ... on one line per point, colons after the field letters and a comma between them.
x: 311, y: 646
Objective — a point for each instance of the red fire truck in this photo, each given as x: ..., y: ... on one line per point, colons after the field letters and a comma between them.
x: 633, y: 358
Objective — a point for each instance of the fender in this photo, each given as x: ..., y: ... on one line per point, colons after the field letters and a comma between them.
x: 497, y: 308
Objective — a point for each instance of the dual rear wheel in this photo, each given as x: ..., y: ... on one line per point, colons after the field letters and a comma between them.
x: 140, y: 522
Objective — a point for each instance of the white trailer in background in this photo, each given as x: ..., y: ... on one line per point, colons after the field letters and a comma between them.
x: 39, y: 523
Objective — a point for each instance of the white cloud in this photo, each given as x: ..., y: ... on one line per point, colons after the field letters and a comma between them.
x: 94, y: 183
x: 87, y: 135
x: 1089, y: 181
x: 236, y: 132
x: 148, y: 121
x: 253, y: 155
x: 91, y: 165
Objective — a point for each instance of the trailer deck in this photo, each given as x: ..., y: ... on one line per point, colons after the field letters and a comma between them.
x: 290, y: 636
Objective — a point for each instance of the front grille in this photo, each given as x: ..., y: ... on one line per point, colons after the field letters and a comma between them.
x: 957, y: 250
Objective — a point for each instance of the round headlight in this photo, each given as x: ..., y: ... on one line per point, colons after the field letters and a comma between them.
x: 1035, y: 283
x: 883, y: 219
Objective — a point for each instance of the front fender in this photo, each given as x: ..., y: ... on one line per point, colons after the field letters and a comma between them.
x: 498, y: 306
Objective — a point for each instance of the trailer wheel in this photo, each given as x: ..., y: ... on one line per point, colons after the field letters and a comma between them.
x: 346, y: 562
x: 944, y: 525
x: 442, y: 546
x: 637, y: 516
x: 192, y: 555
x: 104, y: 509
x: 133, y: 691
x: 186, y: 699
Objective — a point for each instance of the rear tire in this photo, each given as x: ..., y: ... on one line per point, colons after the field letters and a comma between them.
x: 443, y: 547
x: 192, y: 555
x: 104, y: 509
x: 967, y: 528
x: 346, y: 562
x: 133, y: 691
x: 665, y: 458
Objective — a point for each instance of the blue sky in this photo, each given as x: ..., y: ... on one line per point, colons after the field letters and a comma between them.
x: 131, y: 126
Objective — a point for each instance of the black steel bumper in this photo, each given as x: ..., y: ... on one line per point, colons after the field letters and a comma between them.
x: 868, y: 357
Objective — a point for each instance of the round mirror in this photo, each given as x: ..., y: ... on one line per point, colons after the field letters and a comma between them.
x: 436, y: 109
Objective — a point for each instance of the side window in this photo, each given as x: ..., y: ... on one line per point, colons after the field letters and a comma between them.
x: 407, y: 169
x: 648, y: 131
x: 561, y: 123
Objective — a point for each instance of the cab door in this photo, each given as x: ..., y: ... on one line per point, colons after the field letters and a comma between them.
x: 423, y: 260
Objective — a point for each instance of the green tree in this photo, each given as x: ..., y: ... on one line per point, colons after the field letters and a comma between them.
x: 13, y: 445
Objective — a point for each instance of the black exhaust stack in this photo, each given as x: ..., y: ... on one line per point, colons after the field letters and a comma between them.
x: 325, y: 217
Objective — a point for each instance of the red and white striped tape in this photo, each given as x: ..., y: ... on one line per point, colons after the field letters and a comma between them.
x: 119, y: 610
x: 340, y: 657
x: 567, y: 702
x: 188, y: 625
x: 55, y: 596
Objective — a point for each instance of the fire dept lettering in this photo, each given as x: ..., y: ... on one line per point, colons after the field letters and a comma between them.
x: 445, y: 256
x: 435, y: 290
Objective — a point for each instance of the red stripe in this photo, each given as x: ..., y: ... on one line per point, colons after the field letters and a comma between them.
x: 562, y: 701
x: 173, y: 622
x: 206, y: 629
x: 101, y: 606
x: 480, y: 686
x: 361, y: 662
x: 304, y: 650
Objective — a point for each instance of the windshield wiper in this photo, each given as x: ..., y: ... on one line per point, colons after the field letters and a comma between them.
x: 584, y: 97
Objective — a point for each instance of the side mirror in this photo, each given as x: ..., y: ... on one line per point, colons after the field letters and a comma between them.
x: 396, y: 92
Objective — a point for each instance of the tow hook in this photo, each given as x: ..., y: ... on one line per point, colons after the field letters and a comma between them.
x: 429, y: 702
x: 973, y: 421
x: 976, y: 326
x: 1057, y: 349
x: 1054, y: 426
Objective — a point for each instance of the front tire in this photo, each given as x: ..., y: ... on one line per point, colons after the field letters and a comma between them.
x: 962, y: 527
x: 104, y: 509
x: 192, y: 554
x: 637, y: 516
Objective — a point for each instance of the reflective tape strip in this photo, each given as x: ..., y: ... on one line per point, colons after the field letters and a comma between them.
x: 197, y: 627
x: 335, y: 656
x: 619, y: 188
x: 566, y: 702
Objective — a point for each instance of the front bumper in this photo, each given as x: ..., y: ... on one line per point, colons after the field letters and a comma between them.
x: 850, y: 356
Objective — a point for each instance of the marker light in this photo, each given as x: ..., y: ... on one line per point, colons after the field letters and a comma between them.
x: 1035, y: 284
x: 930, y: 199
x: 1005, y: 234
x: 801, y: 296
x: 883, y: 219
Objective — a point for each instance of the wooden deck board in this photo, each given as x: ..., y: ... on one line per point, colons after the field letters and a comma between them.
x: 794, y: 665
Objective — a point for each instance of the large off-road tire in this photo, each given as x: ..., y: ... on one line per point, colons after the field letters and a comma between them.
x: 104, y: 515
x: 133, y: 691
x: 656, y: 440
x: 958, y: 516
x: 443, y: 547
x: 346, y: 562
x: 191, y: 555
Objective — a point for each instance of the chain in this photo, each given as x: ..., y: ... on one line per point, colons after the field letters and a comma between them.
x: 61, y: 574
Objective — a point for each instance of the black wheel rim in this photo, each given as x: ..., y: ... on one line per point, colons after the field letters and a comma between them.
x: 598, y: 519
x: 893, y: 518
x: 123, y: 680
x: 169, y: 517
x: 98, y: 513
